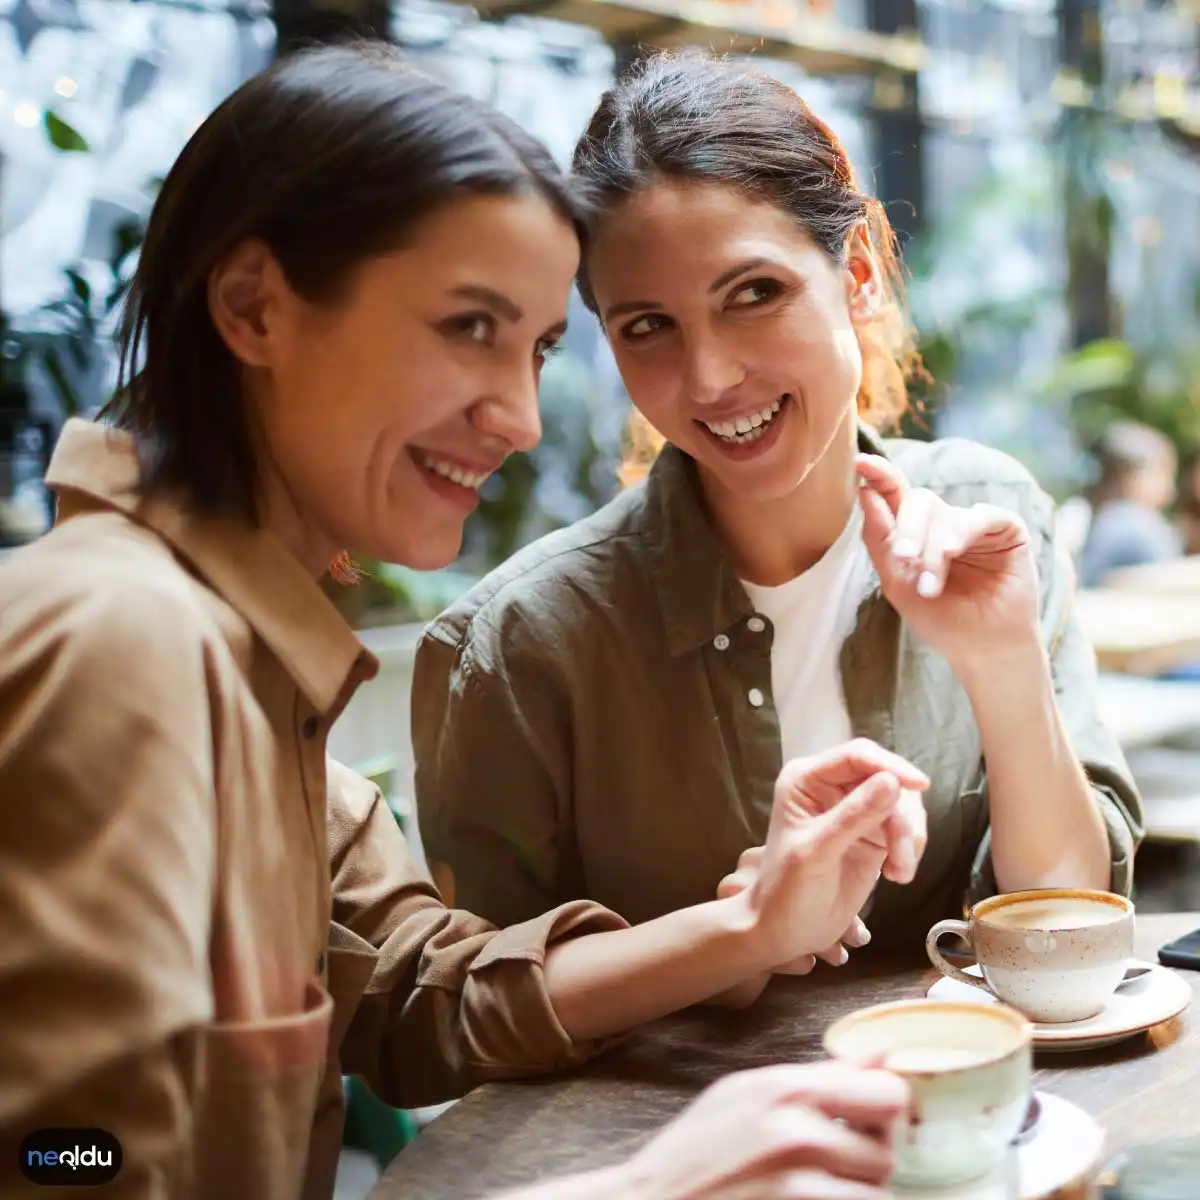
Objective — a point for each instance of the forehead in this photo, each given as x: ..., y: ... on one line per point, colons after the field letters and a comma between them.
x: 683, y: 227
x: 516, y: 245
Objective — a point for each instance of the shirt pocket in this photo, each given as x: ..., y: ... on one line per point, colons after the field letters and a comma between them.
x: 257, y: 1094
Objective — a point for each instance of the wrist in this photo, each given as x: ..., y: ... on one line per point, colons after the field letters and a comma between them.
x: 1012, y: 668
x: 741, y: 923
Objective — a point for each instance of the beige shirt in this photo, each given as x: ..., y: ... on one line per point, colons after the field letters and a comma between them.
x: 614, y: 684
x: 205, y: 921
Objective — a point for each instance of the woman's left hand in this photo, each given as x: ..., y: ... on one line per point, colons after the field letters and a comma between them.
x: 964, y: 580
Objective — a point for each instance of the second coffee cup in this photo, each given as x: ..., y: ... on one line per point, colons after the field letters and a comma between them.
x: 1057, y: 955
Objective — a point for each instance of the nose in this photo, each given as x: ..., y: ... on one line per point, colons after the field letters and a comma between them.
x: 710, y: 370
x: 510, y: 414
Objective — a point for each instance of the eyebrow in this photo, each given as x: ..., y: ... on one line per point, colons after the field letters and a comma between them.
x: 629, y: 306
x: 494, y: 300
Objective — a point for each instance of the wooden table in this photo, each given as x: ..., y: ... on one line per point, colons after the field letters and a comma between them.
x: 507, y: 1134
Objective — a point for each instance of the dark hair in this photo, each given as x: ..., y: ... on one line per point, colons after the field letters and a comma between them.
x: 689, y: 116
x: 329, y: 157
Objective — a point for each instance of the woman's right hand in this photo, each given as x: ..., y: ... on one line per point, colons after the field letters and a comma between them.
x: 839, y: 820
x: 823, y: 1131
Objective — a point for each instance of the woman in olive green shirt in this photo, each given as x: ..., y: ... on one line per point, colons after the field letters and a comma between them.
x: 603, y: 715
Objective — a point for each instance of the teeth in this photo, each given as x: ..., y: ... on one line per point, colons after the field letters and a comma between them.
x: 745, y: 429
x: 453, y: 472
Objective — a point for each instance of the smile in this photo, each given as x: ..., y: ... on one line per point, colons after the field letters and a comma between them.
x: 750, y: 428
x: 452, y: 471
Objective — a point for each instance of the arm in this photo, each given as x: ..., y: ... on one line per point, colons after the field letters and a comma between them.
x: 994, y: 599
x: 1043, y: 741
x: 451, y: 1002
x: 106, y: 879
x: 491, y: 766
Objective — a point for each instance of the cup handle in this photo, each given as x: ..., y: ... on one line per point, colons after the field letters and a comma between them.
x: 935, y: 955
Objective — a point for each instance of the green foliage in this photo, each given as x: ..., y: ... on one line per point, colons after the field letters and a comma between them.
x: 63, y: 136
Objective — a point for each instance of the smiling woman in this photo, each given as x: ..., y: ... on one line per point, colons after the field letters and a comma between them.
x: 350, y: 280
x: 783, y: 578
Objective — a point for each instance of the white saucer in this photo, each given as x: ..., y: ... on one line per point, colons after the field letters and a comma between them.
x: 1065, y: 1149
x: 1133, y: 1009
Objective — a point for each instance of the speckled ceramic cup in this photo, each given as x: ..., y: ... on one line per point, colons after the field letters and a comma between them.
x: 969, y: 1072
x: 1056, y: 955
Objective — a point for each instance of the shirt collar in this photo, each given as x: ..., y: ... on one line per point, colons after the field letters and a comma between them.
x: 96, y: 466
x: 698, y: 591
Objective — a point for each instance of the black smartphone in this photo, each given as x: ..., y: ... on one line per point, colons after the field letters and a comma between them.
x: 1182, y: 952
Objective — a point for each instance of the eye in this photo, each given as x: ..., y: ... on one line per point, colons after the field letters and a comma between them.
x: 758, y: 291
x: 546, y: 348
x: 479, y: 328
x: 645, y: 327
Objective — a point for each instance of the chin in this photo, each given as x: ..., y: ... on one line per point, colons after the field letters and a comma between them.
x: 424, y: 550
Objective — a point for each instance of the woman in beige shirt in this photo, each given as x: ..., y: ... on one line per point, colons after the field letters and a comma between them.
x: 348, y: 285
x: 782, y: 579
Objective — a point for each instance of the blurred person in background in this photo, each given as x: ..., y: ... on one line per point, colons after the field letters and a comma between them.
x: 348, y: 285
x: 605, y: 714
x: 1188, y: 506
x: 1136, y: 485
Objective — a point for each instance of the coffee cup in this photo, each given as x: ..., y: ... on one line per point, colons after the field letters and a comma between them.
x: 1057, y: 954
x: 969, y: 1071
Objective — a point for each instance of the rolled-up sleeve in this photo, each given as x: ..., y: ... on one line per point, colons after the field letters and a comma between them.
x: 447, y: 1000
x: 1076, y: 685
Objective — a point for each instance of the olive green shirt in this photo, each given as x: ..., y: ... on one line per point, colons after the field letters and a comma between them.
x: 584, y: 726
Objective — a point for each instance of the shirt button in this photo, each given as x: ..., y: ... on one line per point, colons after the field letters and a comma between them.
x: 756, y: 624
x: 310, y: 727
x: 721, y: 641
x: 755, y: 697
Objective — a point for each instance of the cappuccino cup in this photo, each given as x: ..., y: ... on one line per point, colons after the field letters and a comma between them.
x: 969, y: 1071
x: 1056, y: 955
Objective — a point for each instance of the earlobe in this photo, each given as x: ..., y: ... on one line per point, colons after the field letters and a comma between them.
x: 239, y: 301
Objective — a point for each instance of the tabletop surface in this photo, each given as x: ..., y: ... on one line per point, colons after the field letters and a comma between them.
x: 507, y: 1134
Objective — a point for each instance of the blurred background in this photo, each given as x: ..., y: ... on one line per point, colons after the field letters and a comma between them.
x: 1039, y: 158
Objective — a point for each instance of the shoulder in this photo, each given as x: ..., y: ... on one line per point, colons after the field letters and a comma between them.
x: 966, y: 472
x: 100, y: 593
x: 550, y: 589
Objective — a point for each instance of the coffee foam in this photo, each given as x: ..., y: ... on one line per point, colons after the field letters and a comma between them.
x: 1054, y: 913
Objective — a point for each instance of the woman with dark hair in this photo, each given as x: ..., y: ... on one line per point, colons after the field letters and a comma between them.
x: 782, y: 579
x: 349, y: 283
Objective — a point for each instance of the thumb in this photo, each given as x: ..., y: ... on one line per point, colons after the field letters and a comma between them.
x: 861, y: 813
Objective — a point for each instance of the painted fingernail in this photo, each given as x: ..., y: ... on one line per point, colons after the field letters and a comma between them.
x: 905, y: 548
x: 928, y: 585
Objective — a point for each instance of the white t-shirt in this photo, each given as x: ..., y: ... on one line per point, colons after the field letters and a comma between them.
x: 813, y: 615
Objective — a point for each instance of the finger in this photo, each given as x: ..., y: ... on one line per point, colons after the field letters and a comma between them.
x: 847, y: 765
x: 807, y: 1138
x: 818, y: 1185
x: 836, y: 955
x: 859, y: 815
x: 906, y: 832
x: 857, y: 936
x: 858, y: 1094
x: 945, y: 538
x: 751, y: 859
x: 878, y: 526
x: 733, y: 885
x: 913, y: 522
x: 804, y: 965
x: 883, y: 478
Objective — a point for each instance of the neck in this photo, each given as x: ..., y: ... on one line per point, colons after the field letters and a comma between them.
x: 278, y: 509
x: 771, y: 542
